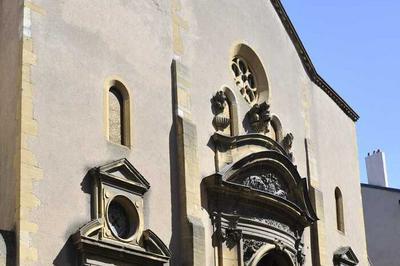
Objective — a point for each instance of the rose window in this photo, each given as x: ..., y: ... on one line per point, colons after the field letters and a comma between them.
x: 244, y: 79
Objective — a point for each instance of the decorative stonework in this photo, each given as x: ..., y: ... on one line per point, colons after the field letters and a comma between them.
x: 300, y: 256
x: 276, y: 224
x: 267, y: 182
x: 250, y: 247
x: 245, y: 80
x: 230, y: 235
x: 259, y: 117
x: 220, y: 108
x: 345, y: 256
x: 219, y: 101
x: 287, y: 143
x: 279, y: 245
x: 117, y: 228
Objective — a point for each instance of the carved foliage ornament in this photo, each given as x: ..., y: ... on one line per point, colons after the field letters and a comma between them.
x: 250, y: 247
x: 245, y: 80
x: 267, y: 182
x: 259, y: 117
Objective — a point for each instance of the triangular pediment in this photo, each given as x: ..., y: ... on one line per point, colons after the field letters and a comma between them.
x: 122, y: 171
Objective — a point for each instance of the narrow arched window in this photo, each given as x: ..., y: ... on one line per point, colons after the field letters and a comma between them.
x: 118, y: 119
x: 339, y: 210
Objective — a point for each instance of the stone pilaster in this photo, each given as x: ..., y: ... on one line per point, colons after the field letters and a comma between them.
x: 192, y: 244
x: 318, y: 236
x: 30, y: 171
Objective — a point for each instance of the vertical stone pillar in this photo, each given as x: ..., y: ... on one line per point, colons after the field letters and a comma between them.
x: 318, y: 238
x: 29, y: 170
x: 192, y: 244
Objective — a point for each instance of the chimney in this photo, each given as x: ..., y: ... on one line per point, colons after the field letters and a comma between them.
x: 376, y: 168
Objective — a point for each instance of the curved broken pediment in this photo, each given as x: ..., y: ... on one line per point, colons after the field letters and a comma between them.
x: 266, y: 181
x: 345, y: 256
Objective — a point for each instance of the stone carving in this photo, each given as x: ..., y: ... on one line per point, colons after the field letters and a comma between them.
x: 232, y: 237
x: 279, y: 245
x: 221, y: 110
x: 276, y: 224
x: 267, y: 182
x: 250, y: 247
x: 300, y: 256
x: 287, y: 144
x: 245, y: 80
x: 259, y: 117
x: 219, y: 102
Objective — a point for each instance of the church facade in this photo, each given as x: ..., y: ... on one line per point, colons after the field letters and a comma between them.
x: 173, y: 132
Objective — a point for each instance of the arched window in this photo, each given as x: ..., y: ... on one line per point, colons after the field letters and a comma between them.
x: 118, y: 114
x: 339, y: 210
x: 249, y: 74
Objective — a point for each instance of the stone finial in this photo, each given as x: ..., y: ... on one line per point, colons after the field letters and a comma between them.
x: 221, y: 119
x: 219, y: 102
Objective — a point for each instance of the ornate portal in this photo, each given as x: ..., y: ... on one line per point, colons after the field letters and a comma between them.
x: 258, y: 204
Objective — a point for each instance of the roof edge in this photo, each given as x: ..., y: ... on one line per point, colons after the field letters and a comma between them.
x: 308, y: 65
x: 392, y: 189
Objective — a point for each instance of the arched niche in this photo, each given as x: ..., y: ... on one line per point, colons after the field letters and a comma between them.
x: 275, y: 129
x: 249, y: 73
x: 339, y: 210
x: 225, y: 109
x: 233, y: 110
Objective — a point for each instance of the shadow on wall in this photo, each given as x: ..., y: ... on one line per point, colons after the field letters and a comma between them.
x: 67, y: 255
x: 175, y: 206
x: 7, y: 248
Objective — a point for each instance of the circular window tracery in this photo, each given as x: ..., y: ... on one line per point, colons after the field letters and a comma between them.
x: 245, y: 80
x: 123, y: 218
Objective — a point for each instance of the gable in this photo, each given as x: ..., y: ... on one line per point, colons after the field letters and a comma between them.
x: 308, y: 65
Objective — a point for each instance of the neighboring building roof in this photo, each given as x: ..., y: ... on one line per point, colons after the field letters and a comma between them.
x: 308, y: 65
x: 381, y: 188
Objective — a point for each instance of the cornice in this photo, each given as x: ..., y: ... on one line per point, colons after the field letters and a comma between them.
x: 307, y: 63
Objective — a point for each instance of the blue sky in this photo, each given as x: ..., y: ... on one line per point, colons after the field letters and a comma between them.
x: 355, y: 47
